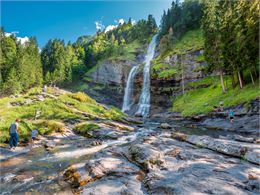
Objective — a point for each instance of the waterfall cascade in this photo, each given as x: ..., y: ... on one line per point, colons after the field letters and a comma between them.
x: 144, y: 100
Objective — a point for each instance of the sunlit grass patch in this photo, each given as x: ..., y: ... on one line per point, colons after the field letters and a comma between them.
x: 84, y: 127
x: 202, y: 100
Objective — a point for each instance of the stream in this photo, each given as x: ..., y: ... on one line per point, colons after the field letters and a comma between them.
x: 41, y: 170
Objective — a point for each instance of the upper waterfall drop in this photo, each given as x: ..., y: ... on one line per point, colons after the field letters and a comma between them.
x: 144, y: 100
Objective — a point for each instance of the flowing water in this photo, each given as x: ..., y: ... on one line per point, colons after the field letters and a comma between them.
x: 144, y: 100
x: 41, y: 171
x: 128, y: 97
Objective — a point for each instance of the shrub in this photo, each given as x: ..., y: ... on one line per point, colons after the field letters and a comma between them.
x: 84, y: 127
x: 82, y: 97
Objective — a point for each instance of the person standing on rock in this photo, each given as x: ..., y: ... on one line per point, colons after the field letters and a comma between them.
x: 34, y: 135
x: 13, y: 130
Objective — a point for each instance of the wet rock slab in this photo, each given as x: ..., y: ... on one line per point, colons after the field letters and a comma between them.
x: 103, y: 166
x: 188, y: 169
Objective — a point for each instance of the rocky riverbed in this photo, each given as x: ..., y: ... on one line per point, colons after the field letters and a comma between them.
x: 148, y: 158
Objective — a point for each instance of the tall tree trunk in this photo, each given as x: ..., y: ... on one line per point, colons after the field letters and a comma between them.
x: 255, y: 72
x: 233, y: 80
x: 252, y: 78
x: 182, y: 76
x: 240, y: 79
x: 222, y: 82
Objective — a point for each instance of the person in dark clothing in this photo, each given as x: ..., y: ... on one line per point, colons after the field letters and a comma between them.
x: 13, y: 130
x: 231, y: 116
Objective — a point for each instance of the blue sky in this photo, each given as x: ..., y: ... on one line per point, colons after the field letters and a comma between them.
x: 70, y: 19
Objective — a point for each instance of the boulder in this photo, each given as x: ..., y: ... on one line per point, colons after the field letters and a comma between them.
x: 179, y: 136
x: 219, y: 145
x: 145, y: 155
x: 49, y: 144
x: 100, y: 165
x: 165, y: 126
x: 253, y: 156
x: 243, y: 139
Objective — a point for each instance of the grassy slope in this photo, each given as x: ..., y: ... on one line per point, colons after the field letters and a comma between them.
x: 53, y: 111
x: 202, y: 100
x: 191, y: 41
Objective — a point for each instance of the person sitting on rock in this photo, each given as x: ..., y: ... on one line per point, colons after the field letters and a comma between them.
x: 13, y: 130
x: 231, y: 116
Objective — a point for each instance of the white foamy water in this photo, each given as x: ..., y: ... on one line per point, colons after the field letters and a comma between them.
x: 128, y: 97
x: 144, y: 100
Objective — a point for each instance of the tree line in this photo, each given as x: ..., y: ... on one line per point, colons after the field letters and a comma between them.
x: 179, y: 19
x: 24, y: 65
x: 230, y: 30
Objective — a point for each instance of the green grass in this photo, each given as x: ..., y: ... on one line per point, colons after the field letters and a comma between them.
x: 191, y: 41
x: 126, y: 52
x: 202, y: 100
x: 162, y: 70
x: 52, y: 112
x: 85, y: 127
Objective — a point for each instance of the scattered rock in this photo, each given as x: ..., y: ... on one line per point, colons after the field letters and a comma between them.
x: 253, y: 156
x: 179, y: 136
x: 49, y: 144
x: 133, y: 120
x: 165, y: 126
x: 252, y: 176
x: 243, y: 139
x: 145, y: 155
x: 219, y: 145
x: 8, y: 177
x: 23, y: 178
x: 175, y: 152
x: 119, y: 126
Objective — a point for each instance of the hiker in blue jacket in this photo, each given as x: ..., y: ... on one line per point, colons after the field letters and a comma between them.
x: 13, y: 130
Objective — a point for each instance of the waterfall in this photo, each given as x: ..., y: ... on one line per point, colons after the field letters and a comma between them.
x: 144, y: 100
x: 128, y: 101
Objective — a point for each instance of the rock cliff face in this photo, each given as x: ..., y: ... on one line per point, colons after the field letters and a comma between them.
x: 107, y: 82
x: 112, y: 72
x: 163, y: 90
x: 111, y: 77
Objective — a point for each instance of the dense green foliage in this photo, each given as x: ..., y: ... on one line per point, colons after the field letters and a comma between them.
x: 20, y: 65
x: 120, y: 42
x: 231, y: 30
x: 180, y: 18
x: 23, y: 66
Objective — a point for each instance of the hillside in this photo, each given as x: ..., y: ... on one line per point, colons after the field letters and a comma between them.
x: 49, y: 112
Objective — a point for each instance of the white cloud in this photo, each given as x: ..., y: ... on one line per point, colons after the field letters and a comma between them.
x: 8, y: 34
x: 133, y: 22
x: 110, y: 27
x: 21, y: 39
x: 99, y: 25
x: 121, y: 21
